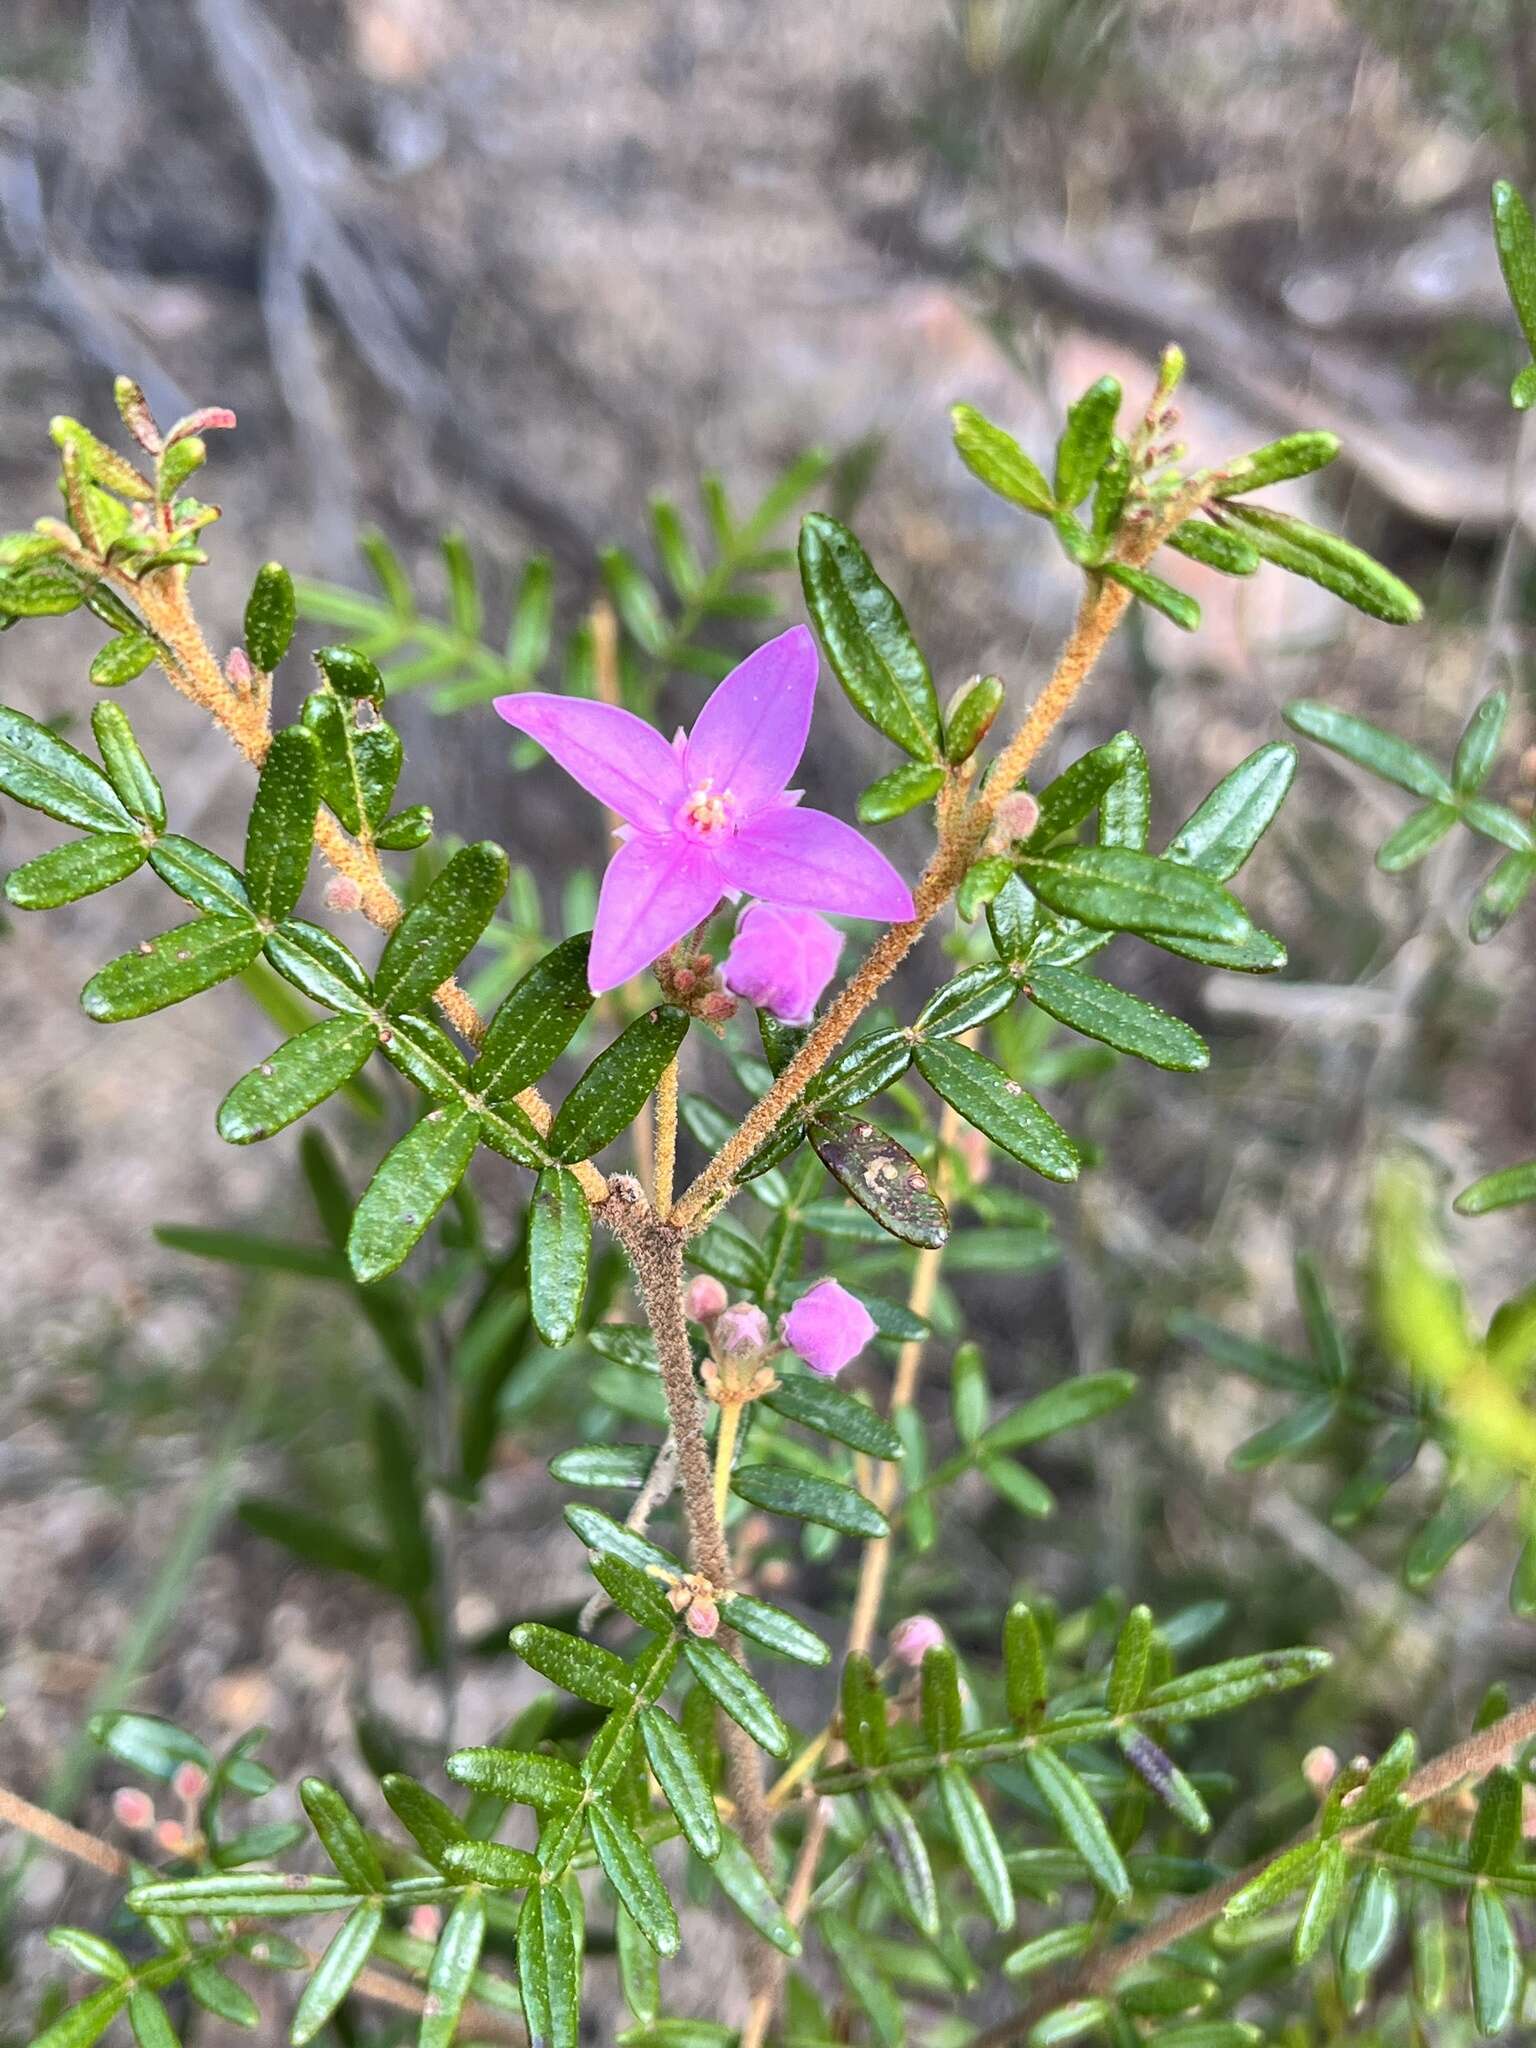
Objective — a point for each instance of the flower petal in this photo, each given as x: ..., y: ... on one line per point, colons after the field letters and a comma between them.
x: 751, y: 733
x: 616, y: 757
x: 811, y: 861
x: 655, y: 891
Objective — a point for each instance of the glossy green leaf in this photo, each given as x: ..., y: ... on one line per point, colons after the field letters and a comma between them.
x: 982, y: 881
x: 1048, y: 1951
x: 453, y: 1967
x: 1515, y: 239
x: 493, y: 1863
x: 46, y: 591
x: 1215, y: 547
x: 1115, y: 888
x: 547, y: 1782
x: 559, y: 1252
x: 1324, y: 1897
x: 614, y: 1089
x: 437, y: 931
x: 124, y: 657
x: 969, y: 714
x: 536, y: 1021
x: 1011, y: 919
x: 294, y: 1078
x: 1078, y: 1399
x: 1113, y: 1016
x: 46, y: 773
x: 997, y: 459
x: 1284, y: 1874
x: 743, y: 1884
x: 809, y: 1499
x: 431, y: 1824
x: 881, y: 1175
x: 1372, y: 1924
x: 359, y: 764
x: 639, y: 1977
x: 682, y: 1783
x: 270, y: 614
x: 1080, y: 788
x: 549, y: 1969
x: 1498, y: 1827
x: 1085, y: 446
x: 1493, y: 1949
x: 1220, y: 1687
x: 739, y: 1694
x: 414, y: 1180
x: 1462, y: 1512
x: 577, y: 1666
x: 867, y: 639
x: 350, y: 672
x: 150, y: 2022
x: 336, y: 1972
x: 78, y: 868
x: 1419, y: 834
x: 200, y: 876
x: 861, y: 1069
x: 1498, y: 1190
x: 970, y: 999
x: 127, y: 769
x: 1024, y: 1666
x: 1497, y: 822
x: 1223, y: 830
x: 1500, y: 896
x: 1080, y: 1821
x: 168, y: 969
x: 89, y: 1952
x: 406, y: 830
x: 1153, y: 1765
x: 1327, y: 559
x: 1289, y: 1436
x: 998, y: 1107
x: 1176, y: 605
x: 603, y: 1534
x: 342, y: 1836
x: 238, y: 1892
x: 906, y: 1855
x: 899, y: 792
x: 1276, y: 463
x: 89, y: 2020
x: 628, y: 1866
x: 818, y: 1404
x: 774, y: 1629
x: 280, y: 837
x: 976, y: 1840
x: 1478, y: 746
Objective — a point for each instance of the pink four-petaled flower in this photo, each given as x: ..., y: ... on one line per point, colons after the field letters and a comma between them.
x: 710, y: 814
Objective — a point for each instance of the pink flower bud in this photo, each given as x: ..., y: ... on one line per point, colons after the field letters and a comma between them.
x: 132, y: 1808
x: 781, y: 960
x: 705, y: 1298
x: 912, y: 1639
x: 1016, y: 816
x: 703, y: 1617
x: 740, y: 1331
x: 239, y: 670
x: 829, y: 1327
x: 342, y: 893
x: 189, y: 1781
x: 172, y: 1837
x: 426, y: 1922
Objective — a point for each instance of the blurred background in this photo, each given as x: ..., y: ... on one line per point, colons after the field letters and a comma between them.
x: 511, y: 272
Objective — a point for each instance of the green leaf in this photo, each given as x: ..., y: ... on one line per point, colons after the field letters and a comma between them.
x: 294, y: 1078
x: 342, y: 1836
x: 867, y: 640
x: 739, y: 1695
x: 908, y: 1859
x: 969, y: 714
x: 743, y: 1884
x: 1079, y: 1819
x: 639, y: 1977
x: 970, y: 1398
x: 1276, y: 463
x: 819, y: 1405
x: 774, y: 1629
x: 127, y: 770
x: 79, y: 868
x: 614, y: 1089
x: 1324, y: 1897
x: 1176, y: 605
x: 1497, y: 822
x: 1291, y: 1436
x: 1500, y: 896
x: 281, y: 833
x: 46, y: 773
x: 1461, y: 1513
x: 549, y: 1969
x: 1068, y: 1405
x: 433, y: 1826
x: 1220, y: 1687
x: 1048, y: 1951
x: 602, y: 1533
x: 1215, y: 547
x: 1100, y: 1010
x: 406, y: 830
x: 337, y: 1970
x: 983, y: 880
x: 871, y: 1063
x: 998, y: 1107
x: 199, y: 876
x: 809, y: 1499
x: 970, y: 999
x: 150, y: 2022
x: 976, y: 1840
x: 1085, y: 446
x: 359, y: 764
x: 1515, y: 239
x: 1158, y: 1770
x: 89, y: 2020
x: 1497, y: 1828
x: 492, y: 1863
x: 882, y: 1177
x: 415, y: 1179
x: 1324, y: 558
x: 89, y: 1952
x: 1494, y: 1953
x: 168, y: 969
x: 1285, y: 1874
x: 997, y: 459
x: 47, y: 591
x: 1420, y: 833
x: 1522, y: 390
x: 899, y: 792
x: 237, y: 1893
x: 1024, y: 1666
x: 682, y: 1783
x: 1498, y: 1190
x: 270, y: 614
x: 435, y: 934
x: 1372, y: 1922
x: 1079, y: 788
x: 1479, y: 743
x: 1115, y: 888
x: 546, y: 1782
x: 320, y: 966
x: 350, y: 673
x: 585, y: 1669
x: 536, y: 1021
x: 1128, y: 1672
x: 559, y: 1251
x: 630, y: 1870
x: 453, y: 1966
x: 1222, y: 832
x: 1011, y: 918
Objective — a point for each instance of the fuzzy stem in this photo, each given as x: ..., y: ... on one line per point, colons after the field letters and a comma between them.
x: 666, y: 1140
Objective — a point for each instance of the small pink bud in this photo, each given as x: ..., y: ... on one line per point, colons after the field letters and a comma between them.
x: 172, y: 1837
x: 740, y: 1331
x: 705, y: 1298
x: 239, y: 670
x: 703, y: 1617
x: 781, y: 960
x: 684, y: 981
x: 717, y: 1008
x: 189, y: 1781
x: 829, y: 1327
x: 342, y: 893
x: 133, y: 1809
x: 426, y: 1922
x: 1319, y: 1767
x: 1015, y: 817
x: 912, y: 1639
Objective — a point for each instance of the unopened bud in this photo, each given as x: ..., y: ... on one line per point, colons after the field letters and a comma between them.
x: 718, y: 1008
x: 132, y: 1808
x: 342, y: 893
x: 172, y: 1837
x: 703, y: 1617
x: 189, y: 1781
x: 239, y: 670
x: 740, y: 1331
x: 1015, y: 817
x: 426, y: 1922
x: 1319, y: 1767
x: 912, y: 1639
x: 705, y: 1298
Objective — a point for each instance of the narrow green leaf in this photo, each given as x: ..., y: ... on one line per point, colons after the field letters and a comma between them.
x: 861, y: 1069
x: 881, y: 1175
x: 682, y: 1783
x: 1494, y: 1953
x: 1276, y: 463
x: 774, y: 1629
x: 1079, y: 1819
x: 127, y: 769
x: 585, y: 1669
x: 867, y: 639
x: 1498, y: 1190
x: 493, y: 1863
x: 818, y: 1404
x: 1327, y: 559
x: 633, y: 1875
x: 1291, y: 1436
x: 1176, y: 605
x: 78, y: 868
x: 969, y: 714
x: 639, y: 1977
x: 536, y: 1021
x: 124, y: 657
x: 521, y: 1775
x: 970, y: 999
x: 1115, y: 888
x: 1115, y: 1017
x: 909, y: 1863
x: 1068, y: 1405
x: 614, y: 1089
x: 1372, y: 1924
x: 1324, y: 1897
x: 89, y: 2020
x: 1158, y: 1770
x: 1285, y: 1874
x: 1500, y: 896
x: 998, y: 1107
x: 739, y: 1694
x: 270, y: 614
x: 742, y: 1882
x: 199, y: 876
x: 151, y: 2022
x: 1215, y: 547
x: 1048, y: 1951
x: 977, y: 1842
x: 46, y: 773
x: 236, y: 1893
x: 415, y: 1179
x: 549, y: 1969
x: 342, y: 1836
x: 1498, y: 1827
x: 1515, y: 239
x: 336, y: 1972
x: 1024, y: 1666
x: 1479, y: 743
x: 809, y: 1499
x: 559, y: 1251
x: 1220, y: 1687
x: 294, y: 1078
x: 611, y: 1539
x: 1224, y: 830
x: 168, y: 969
x: 1085, y: 446
x: 997, y: 459
x: 432, y: 1825
x: 1419, y: 834
x: 406, y: 830
x: 453, y: 1966
x: 281, y: 833
x: 436, y: 932
x: 899, y: 792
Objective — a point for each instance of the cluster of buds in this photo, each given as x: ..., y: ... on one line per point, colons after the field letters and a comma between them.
x: 133, y: 1809
x: 741, y: 1344
x: 695, y: 1599
x: 690, y: 980
x: 1014, y: 817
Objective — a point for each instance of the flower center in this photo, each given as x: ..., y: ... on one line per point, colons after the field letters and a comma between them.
x: 707, y: 813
